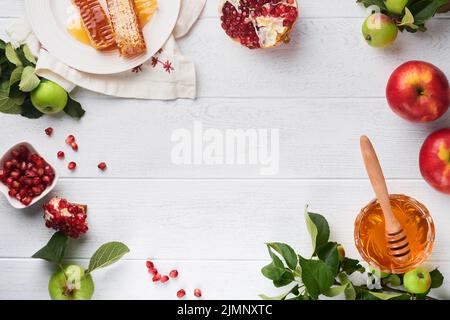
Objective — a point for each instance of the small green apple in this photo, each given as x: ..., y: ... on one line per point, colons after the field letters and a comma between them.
x: 341, y: 252
x: 49, y: 97
x: 379, y: 30
x: 71, y: 284
x: 396, y: 6
x: 417, y: 281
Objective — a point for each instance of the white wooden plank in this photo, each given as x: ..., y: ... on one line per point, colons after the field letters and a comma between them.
x: 318, y: 138
x: 308, y: 67
x: 207, y: 219
x: 308, y: 9
x: 25, y: 279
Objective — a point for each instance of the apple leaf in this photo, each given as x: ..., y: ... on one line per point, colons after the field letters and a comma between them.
x: 286, y: 252
x: 74, y: 109
x: 2, y: 45
x: 28, y: 55
x: 318, y: 229
x: 106, y: 255
x: 437, y: 279
x: 54, y: 250
x: 317, y: 277
x: 29, y: 80
x: 8, y: 105
x: 16, y: 75
x: 12, y: 56
x: 408, y: 20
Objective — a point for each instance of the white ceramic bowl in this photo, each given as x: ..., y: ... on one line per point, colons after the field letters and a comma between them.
x: 4, y: 189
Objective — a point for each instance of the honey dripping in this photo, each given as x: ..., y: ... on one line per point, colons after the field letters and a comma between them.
x: 145, y: 10
x: 417, y: 226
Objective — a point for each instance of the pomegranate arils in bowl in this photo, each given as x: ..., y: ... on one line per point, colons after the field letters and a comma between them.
x: 258, y: 23
x: 66, y: 217
x: 25, y: 177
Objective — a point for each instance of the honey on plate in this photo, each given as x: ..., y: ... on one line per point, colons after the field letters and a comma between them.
x: 370, y: 234
x: 145, y: 10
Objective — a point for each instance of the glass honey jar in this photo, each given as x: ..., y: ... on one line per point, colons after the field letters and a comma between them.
x: 370, y: 234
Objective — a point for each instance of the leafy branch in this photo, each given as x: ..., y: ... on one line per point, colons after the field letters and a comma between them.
x: 328, y: 271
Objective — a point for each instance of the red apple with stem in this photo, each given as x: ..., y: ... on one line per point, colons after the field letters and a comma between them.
x: 434, y: 160
x: 418, y: 91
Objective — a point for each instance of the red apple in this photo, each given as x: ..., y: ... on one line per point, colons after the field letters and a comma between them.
x: 418, y: 91
x: 434, y: 160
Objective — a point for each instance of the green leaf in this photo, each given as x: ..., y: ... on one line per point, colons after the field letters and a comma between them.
x: 426, y: 9
x: 385, y: 296
x: 12, y: 56
x: 29, y: 80
x: 328, y: 253
x: 7, y: 105
x: 352, y: 265
x: 368, y: 3
x: 437, y: 279
x: 318, y: 228
x: 29, y: 111
x: 106, y: 255
x: 350, y: 292
x: 272, y: 272
x: 16, y: 95
x: 335, y: 291
x: 283, y: 296
x: 16, y: 75
x: 54, y: 250
x: 2, y: 44
x: 316, y: 276
x: 74, y: 109
x: 286, y: 252
x: 28, y: 55
x: 408, y: 20
x: 286, y: 278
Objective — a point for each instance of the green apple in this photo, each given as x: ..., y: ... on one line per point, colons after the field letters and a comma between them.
x: 417, y: 281
x: 71, y: 284
x: 396, y: 6
x: 379, y: 30
x: 49, y: 97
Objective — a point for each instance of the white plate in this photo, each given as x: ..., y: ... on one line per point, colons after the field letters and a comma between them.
x: 49, y: 20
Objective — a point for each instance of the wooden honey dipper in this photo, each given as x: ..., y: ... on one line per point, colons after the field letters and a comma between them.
x: 396, y: 238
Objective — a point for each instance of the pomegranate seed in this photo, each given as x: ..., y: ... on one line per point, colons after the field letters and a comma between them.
x: 26, y: 201
x: 197, y: 292
x: 49, y: 131
x: 181, y: 293
x: 74, y: 146
x: 153, y: 271
x: 12, y: 193
x: 173, y: 274
x: 102, y: 166
x: 156, y: 277
x: 164, y: 279
x: 71, y: 166
x: 149, y: 264
x: 60, y: 155
x: 70, y: 139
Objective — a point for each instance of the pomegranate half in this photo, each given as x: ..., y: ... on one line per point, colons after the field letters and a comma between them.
x: 258, y: 23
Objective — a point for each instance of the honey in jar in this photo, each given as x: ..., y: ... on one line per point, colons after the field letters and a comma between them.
x: 370, y: 234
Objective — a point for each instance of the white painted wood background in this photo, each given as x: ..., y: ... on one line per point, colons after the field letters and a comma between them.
x: 321, y: 91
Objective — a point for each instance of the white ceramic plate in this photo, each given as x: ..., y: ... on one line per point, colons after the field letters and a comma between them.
x: 49, y: 20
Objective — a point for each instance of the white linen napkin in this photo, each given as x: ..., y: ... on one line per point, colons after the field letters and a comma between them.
x: 167, y: 75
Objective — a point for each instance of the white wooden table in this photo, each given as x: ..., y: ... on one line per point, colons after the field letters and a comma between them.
x: 322, y: 91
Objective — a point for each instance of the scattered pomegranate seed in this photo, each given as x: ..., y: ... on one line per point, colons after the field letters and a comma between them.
x: 156, y: 277
x: 49, y: 131
x: 74, y: 146
x: 173, y: 274
x: 149, y: 264
x: 181, y: 293
x: 153, y: 271
x: 60, y: 155
x: 71, y: 166
x: 102, y: 166
x: 197, y: 292
x: 70, y: 139
x: 164, y: 279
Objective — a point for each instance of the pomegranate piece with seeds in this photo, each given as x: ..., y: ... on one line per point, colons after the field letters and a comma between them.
x: 66, y: 217
x: 258, y: 23
x: 21, y: 174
